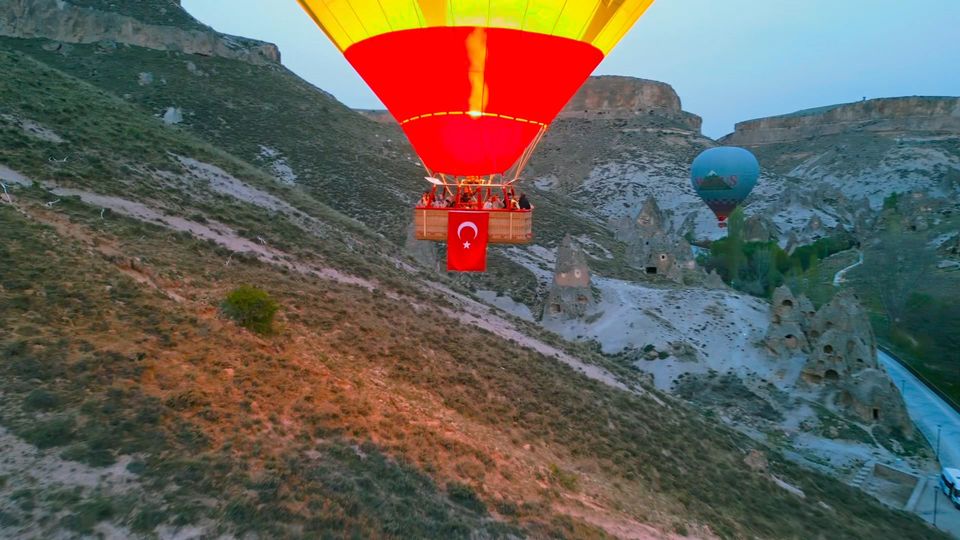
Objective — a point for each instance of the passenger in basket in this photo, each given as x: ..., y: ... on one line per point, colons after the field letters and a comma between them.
x: 524, y: 202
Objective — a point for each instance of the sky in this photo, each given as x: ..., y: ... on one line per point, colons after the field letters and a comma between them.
x: 729, y: 60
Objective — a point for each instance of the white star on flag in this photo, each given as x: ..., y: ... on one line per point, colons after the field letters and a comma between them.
x: 466, y: 245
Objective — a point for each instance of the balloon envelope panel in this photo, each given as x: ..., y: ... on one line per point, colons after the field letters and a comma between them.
x: 466, y: 125
x: 723, y: 177
x: 474, y: 82
x: 601, y: 23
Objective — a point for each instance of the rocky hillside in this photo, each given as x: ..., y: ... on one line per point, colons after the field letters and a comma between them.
x: 157, y: 25
x: 867, y: 149
x: 612, y: 157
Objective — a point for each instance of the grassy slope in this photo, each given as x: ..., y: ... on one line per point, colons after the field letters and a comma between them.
x: 353, y: 418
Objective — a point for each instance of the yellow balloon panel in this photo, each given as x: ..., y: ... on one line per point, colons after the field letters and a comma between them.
x: 602, y: 23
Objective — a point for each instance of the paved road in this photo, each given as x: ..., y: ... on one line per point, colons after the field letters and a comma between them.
x: 839, y: 276
x: 927, y: 410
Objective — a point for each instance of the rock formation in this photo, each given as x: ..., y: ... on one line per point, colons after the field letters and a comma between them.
x: 889, y: 115
x: 63, y: 21
x: 628, y: 97
x: 872, y: 397
x: 570, y: 295
x: 787, y: 333
x: 714, y: 281
x: 841, y: 352
x: 760, y: 228
x: 661, y: 255
x: 814, y: 227
x: 842, y: 340
x: 650, y: 248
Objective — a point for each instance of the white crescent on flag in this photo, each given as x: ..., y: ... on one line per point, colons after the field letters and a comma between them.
x: 467, y: 225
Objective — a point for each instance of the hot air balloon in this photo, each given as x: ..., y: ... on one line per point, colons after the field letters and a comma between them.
x: 474, y: 84
x: 723, y: 177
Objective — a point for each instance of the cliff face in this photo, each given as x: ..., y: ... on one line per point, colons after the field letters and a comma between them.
x: 627, y: 97
x: 889, y: 116
x: 64, y: 21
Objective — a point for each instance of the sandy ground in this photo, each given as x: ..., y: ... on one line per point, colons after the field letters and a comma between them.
x: 22, y: 466
x: 722, y: 325
x: 506, y: 304
x: 9, y: 176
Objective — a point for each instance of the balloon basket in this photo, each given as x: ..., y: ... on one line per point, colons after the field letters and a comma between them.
x: 505, y: 227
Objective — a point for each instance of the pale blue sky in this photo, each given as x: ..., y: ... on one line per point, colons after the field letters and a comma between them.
x: 730, y: 60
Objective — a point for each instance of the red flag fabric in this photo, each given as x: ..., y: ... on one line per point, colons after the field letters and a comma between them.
x: 467, y: 241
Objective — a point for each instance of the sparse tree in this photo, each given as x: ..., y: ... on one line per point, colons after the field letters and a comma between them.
x: 894, y: 266
x: 734, y: 247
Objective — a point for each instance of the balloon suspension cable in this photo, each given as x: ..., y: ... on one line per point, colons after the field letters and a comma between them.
x: 527, y: 154
x: 429, y: 172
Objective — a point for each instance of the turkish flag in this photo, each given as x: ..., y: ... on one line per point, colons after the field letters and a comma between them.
x: 467, y: 241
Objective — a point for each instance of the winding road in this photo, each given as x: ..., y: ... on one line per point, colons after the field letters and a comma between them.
x: 927, y: 410
x: 838, y: 277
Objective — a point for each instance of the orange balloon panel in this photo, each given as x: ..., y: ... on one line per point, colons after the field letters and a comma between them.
x: 473, y: 83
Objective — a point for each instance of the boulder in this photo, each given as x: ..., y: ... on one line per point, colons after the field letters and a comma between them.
x: 172, y: 116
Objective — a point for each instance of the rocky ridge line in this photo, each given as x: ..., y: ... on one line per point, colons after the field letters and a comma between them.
x: 60, y: 20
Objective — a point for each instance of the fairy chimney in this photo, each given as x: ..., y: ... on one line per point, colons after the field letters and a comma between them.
x: 842, y: 340
x: 570, y: 296
x: 653, y: 250
x: 650, y: 219
x: 786, y: 334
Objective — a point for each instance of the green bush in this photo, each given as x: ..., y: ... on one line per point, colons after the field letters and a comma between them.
x: 41, y: 400
x: 88, y: 514
x: 56, y: 432
x: 251, y: 308
x: 465, y: 496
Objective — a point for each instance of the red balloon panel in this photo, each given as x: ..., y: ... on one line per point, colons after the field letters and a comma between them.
x: 430, y: 78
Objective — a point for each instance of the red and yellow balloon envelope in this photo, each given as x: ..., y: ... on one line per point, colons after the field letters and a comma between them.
x: 474, y: 83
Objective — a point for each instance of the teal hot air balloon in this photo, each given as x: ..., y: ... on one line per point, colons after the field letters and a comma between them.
x: 723, y: 177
